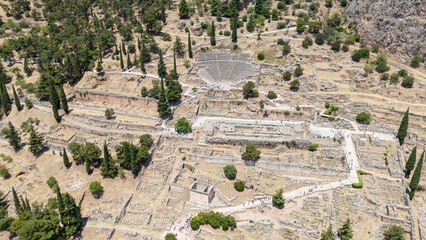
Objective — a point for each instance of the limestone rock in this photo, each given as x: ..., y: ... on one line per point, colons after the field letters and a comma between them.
x: 197, y: 30
x: 286, y: 39
x: 181, y: 25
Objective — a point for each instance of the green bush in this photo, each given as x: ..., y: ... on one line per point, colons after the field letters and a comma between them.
x: 51, y: 181
x: 407, y: 82
x: 261, y: 56
x: 363, y: 117
x: 313, y: 147
x: 170, y: 236
x: 360, y: 183
x: 4, y: 173
x: 345, y: 48
x: 281, y: 25
x: 394, y: 78
x: 385, y: 76
x: 277, y: 199
x: 183, y: 126
x: 239, y: 186
x: 402, y: 73
x: 227, y: 33
x: 230, y: 171
x: 251, y: 153
x: 415, y: 61
x: 272, y: 95
x: 214, y: 219
x: 96, y: 188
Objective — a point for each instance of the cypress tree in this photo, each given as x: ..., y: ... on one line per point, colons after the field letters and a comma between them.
x: 173, y: 73
x: 123, y: 47
x: 4, y: 96
x: 17, y: 102
x: 139, y: 44
x: 411, y: 162
x: 35, y: 141
x: 121, y: 59
x: 14, y: 139
x: 56, y: 114
x: 129, y: 63
x: 163, y: 14
x: 402, y: 131
x: 61, y: 206
x: 24, y: 204
x: 142, y: 64
x: 105, y: 162
x: 163, y: 104
x: 18, y: 207
x: 53, y: 95
x: 67, y: 163
x: 416, y: 176
x: 28, y: 204
x: 189, y: 45
x: 88, y: 169
x: 133, y: 163
x: 213, y: 35
x: 162, y: 71
x: 234, y: 29
x: 27, y: 69
x: 145, y: 56
x: 64, y: 99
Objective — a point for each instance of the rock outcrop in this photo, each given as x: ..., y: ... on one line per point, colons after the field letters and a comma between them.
x: 398, y: 26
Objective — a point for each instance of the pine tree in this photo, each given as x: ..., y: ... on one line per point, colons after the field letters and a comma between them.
x: 18, y: 206
x: 411, y: 162
x: 402, y: 131
x: 234, y: 29
x: 64, y: 99
x: 133, y: 163
x: 213, y: 35
x: 35, y: 141
x: 4, y: 97
x: 145, y: 56
x: 14, y: 139
x: 416, y: 176
x: 183, y: 9
x: 162, y: 71
x: 17, y: 102
x: 53, y: 95
x: 345, y: 232
x: 189, y: 45
x: 328, y: 234
x: 163, y: 104
x: 67, y: 163
x: 129, y: 63
x: 121, y: 60
x: 123, y: 47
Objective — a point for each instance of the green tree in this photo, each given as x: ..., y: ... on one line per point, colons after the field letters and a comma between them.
x: 415, y: 61
x: 174, y: 73
x: 28, y: 103
x: 16, y: 98
x: 14, y: 139
x: 295, y: 85
x: 163, y: 16
x: 70, y: 216
x: 109, y: 113
x: 145, y: 56
x: 163, y: 104
x: 129, y: 63
x: 4, y: 173
x: 121, y: 60
x: 407, y: 82
x: 67, y: 163
x: 183, y: 9
x: 345, y: 232
x: 277, y: 198
x: 249, y: 91
x: 234, y: 27
x: 213, y: 35
x: 239, y: 186
x: 16, y: 202
x: 96, y: 188
x: 162, y: 71
x: 394, y: 233
x: 27, y: 69
x: 4, y: 96
x: 178, y: 46
x: 363, y: 117
x: 173, y: 92
x: 189, y: 45
x: 145, y: 140
x: 287, y: 76
x: 411, y: 162
x: 108, y: 168
x: 51, y: 182
x: 124, y: 157
x: 133, y: 161
x: 170, y: 236
x: 414, y: 183
x: 183, y: 126
x: 375, y: 48
x: 328, y: 234
x: 53, y: 95
x: 251, y: 153
x: 403, y: 127
x: 64, y: 101
x: 35, y: 141
x: 298, y: 71
x: 230, y: 171
x: 272, y: 95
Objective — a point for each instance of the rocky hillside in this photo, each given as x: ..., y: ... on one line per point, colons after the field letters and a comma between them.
x: 396, y: 25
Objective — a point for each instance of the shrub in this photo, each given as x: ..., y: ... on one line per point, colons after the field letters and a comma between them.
x: 402, y: 73
x: 261, y: 56
x: 4, y: 173
x: 394, y: 233
x: 394, y: 78
x: 294, y: 85
x: 131, y: 48
x: 345, y: 48
x: 235, y: 47
x: 239, y: 186
x: 244, y: 18
x: 307, y: 42
x: 313, y: 147
x: 281, y: 25
x: 415, y: 61
x: 360, y: 183
x: 109, y: 113
x: 51, y: 181
x: 320, y: 38
x: 335, y: 46
x: 96, y: 188
x: 280, y: 41
x: 251, y: 153
x: 214, y: 219
x: 170, y: 236
x: 385, y: 76
x: 382, y: 67
x: 278, y: 199
x: 375, y: 48
x: 287, y: 76
x: 230, y: 171
x: 272, y: 95
x: 183, y: 126
x: 407, y: 82
x: 363, y: 117
x: 248, y: 90
x: 250, y: 26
